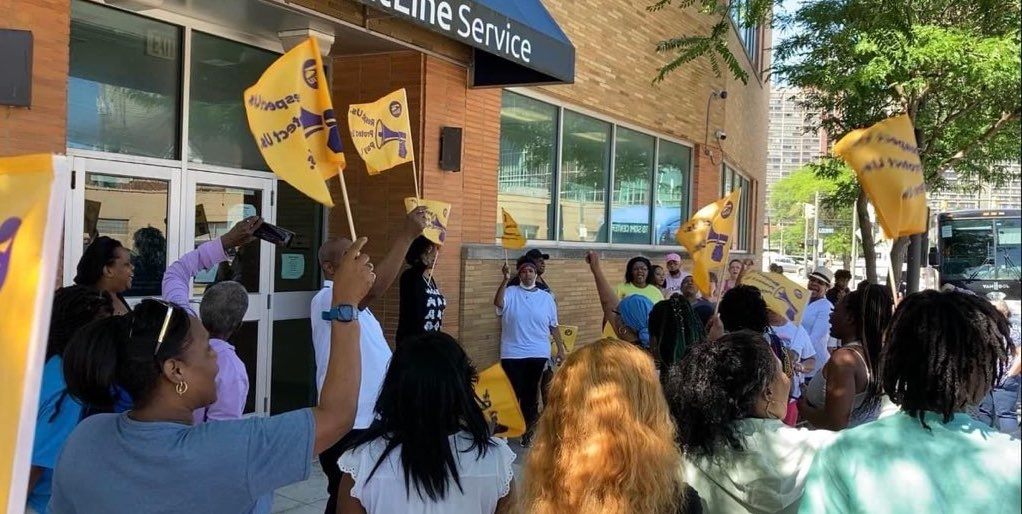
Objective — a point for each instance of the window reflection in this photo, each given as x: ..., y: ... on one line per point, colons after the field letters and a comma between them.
x: 217, y: 209
x: 633, y: 167
x: 134, y: 212
x: 528, y: 136
x: 585, y: 166
x: 673, y: 169
x: 217, y: 127
x: 123, y: 84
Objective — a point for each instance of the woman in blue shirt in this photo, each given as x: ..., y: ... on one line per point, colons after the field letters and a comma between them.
x: 151, y: 459
x: 73, y: 307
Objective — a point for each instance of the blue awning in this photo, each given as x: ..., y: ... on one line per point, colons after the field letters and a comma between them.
x: 515, y: 42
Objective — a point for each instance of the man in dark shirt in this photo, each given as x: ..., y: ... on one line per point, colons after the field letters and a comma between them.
x: 840, y: 289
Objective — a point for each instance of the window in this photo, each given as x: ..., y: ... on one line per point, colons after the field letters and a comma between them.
x: 645, y: 204
x: 123, y: 83
x: 731, y: 180
x: 528, y: 151
x: 585, y: 166
x: 633, y: 167
x: 671, y: 193
x: 749, y: 36
x: 217, y: 127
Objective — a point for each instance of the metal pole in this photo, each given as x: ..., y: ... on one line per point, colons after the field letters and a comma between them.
x: 805, y: 242
x: 816, y: 231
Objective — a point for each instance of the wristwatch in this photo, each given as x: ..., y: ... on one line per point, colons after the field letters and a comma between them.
x: 342, y: 313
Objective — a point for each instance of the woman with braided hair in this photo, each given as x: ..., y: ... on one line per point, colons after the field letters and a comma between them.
x: 674, y: 328
x: 942, y: 353
x: 847, y: 392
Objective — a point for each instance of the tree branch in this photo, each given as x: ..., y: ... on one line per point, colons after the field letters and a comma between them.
x: 988, y: 135
x: 942, y: 125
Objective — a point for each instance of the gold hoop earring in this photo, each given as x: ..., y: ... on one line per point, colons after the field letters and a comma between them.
x: 181, y: 388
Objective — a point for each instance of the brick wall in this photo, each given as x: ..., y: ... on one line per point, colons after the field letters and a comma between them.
x: 42, y: 127
x: 438, y: 96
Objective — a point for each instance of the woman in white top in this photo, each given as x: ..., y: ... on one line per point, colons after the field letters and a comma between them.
x: 728, y: 398
x: 429, y: 451
x: 846, y: 393
x: 528, y: 318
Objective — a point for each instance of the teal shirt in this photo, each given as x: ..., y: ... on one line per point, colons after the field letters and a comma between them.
x: 894, y: 465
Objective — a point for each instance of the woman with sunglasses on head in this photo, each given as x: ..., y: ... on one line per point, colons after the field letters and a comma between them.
x: 151, y: 459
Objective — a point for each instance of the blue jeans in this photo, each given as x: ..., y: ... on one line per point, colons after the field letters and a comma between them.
x: 999, y: 407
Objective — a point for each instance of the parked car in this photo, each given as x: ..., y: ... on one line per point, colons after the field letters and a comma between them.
x: 787, y: 263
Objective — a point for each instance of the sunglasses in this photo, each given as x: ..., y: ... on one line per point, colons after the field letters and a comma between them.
x: 163, y: 328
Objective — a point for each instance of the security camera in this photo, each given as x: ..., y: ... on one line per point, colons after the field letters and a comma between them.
x: 723, y: 94
x: 721, y: 135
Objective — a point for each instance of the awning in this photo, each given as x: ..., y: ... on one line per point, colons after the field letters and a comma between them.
x: 515, y: 42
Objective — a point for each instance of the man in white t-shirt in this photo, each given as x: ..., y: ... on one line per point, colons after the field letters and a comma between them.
x: 795, y: 339
x: 816, y: 318
x: 674, y: 275
x: 374, y: 348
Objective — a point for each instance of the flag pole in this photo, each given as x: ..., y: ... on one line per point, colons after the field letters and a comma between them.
x: 433, y: 269
x: 347, y: 204
x: 415, y: 178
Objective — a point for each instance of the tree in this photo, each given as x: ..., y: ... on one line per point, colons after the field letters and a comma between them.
x: 952, y: 66
x: 792, y: 192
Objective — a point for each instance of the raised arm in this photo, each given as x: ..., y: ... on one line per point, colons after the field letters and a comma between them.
x: 335, y: 414
x: 498, y: 298
x: 390, y: 266
x: 178, y: 275
x: 608, y: 298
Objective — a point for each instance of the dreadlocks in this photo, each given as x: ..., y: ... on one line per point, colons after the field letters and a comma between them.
x: 676, y: 327
x: 872, y: 307
x: 944, y: 351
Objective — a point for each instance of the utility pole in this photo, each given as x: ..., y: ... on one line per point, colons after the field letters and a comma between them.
x: 816, y: 231
x: 805, y: 237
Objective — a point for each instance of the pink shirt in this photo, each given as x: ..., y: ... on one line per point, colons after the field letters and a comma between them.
x: 232, y: 379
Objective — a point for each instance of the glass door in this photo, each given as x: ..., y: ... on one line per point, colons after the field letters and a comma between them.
x: 213, y: 203
x: 134, y: 203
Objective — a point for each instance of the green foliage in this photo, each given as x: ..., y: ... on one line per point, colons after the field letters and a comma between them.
x: 712, y: 45
x: 791, y: 193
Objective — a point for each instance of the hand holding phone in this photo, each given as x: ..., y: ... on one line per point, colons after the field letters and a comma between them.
x: 274, y: 235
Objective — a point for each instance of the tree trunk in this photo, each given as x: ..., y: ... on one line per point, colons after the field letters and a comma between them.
x: 869, y: 253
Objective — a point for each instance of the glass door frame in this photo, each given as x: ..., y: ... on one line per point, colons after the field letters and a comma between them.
x: 260, y: 301
x: 74, y: 219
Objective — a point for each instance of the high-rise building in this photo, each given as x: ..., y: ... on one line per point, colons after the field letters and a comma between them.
x: 791, y: 144
x: 957, y: 197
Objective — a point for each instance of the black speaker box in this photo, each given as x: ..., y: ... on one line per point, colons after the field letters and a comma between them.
x: 450, y: 148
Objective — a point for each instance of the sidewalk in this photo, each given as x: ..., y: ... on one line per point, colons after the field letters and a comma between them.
x: 309, y: 497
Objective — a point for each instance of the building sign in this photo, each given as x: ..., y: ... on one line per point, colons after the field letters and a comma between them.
x: 481, y: 26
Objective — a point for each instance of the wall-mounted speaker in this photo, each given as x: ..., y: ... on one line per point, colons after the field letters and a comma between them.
x: 16, y: 63
x: 450, y: 148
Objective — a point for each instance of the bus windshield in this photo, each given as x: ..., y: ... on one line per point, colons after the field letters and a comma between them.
x: 981, y: 249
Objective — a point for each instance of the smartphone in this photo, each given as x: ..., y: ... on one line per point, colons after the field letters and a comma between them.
x: 274, y: 235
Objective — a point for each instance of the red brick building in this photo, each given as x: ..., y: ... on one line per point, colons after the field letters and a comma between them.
x: 560, y: 124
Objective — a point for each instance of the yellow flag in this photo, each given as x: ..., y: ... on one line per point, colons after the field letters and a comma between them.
x: 569, y: 334
x: 708, y: 236
x: 31, y: 218
x: 381, y: 132
x: 499, y: 403
x: 782, y: 295
x: 438, y: 213
x: 292, y: 119
x: 886, y: 161
x: 512, y: 238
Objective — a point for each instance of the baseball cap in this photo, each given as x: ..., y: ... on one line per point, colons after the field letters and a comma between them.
x: 536, y: 253
x: 823, y: 275
x: 672, y: 257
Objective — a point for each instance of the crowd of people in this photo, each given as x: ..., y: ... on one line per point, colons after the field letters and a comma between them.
x: 689, y: 403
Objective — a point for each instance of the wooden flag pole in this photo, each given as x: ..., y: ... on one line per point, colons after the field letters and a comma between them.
x: 415, y: 178
x: 433, y: 269
x: 347, y: 204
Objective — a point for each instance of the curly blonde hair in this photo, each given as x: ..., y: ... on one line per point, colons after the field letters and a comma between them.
x: 605, y: 442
